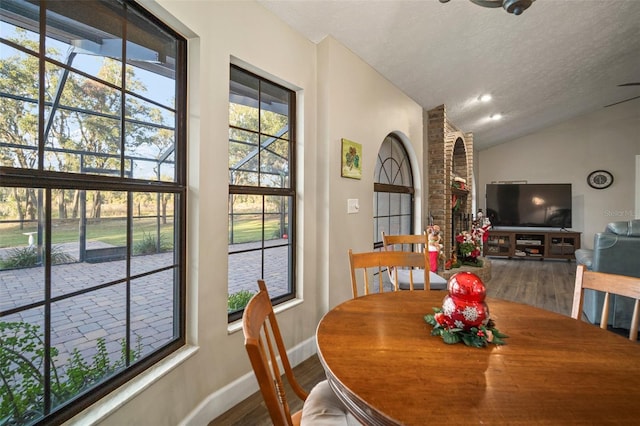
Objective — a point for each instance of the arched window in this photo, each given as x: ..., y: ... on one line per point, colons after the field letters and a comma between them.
x: 393, y: 191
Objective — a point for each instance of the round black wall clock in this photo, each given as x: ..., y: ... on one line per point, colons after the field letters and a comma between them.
x: 600, y: 179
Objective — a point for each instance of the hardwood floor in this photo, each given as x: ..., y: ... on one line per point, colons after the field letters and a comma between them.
x: 545, y: 284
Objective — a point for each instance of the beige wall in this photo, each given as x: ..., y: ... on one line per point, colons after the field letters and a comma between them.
x: 357, y: 104
x: 607, y: 139
x: 338, y: 96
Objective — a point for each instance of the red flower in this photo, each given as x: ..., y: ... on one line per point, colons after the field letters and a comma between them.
x: 439, y: 317
x: 460, y: 238
x: 480, y: 333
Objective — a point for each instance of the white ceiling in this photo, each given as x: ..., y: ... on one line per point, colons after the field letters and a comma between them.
x: 558, y: 60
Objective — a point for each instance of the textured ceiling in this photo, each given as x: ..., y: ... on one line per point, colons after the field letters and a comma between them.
x: 558, y: 60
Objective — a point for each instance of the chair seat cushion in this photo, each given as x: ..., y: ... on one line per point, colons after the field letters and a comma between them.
x: 435, y: 280
x: 323, y: 408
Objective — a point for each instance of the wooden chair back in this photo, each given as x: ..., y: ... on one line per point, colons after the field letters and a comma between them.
x: 406, y: 242
x: 376, y: 261
x: 608, y: 284
x: 266, y: 350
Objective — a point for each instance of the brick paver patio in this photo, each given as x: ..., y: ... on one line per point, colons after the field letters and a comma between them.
x: 77, y: 322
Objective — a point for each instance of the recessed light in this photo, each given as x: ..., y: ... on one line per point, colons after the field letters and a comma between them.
x: 495, y: 116
x: 484, y: 98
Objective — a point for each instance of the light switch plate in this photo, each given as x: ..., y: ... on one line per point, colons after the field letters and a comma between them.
x: 353, y: 205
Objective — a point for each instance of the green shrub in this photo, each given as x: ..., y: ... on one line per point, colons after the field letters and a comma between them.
x: 22, y: 380
x: 238, y: 300
x: 149, y: 245
x: 25, y: 257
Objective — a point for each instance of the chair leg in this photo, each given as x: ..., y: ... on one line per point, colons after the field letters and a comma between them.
x: 633, y: 334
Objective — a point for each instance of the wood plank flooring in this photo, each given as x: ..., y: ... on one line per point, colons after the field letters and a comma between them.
x: 545, y: 284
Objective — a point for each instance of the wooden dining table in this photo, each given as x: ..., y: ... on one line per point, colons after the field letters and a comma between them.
x: 383, y: 363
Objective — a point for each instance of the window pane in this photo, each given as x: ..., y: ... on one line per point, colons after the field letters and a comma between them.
x: 88, y: 28
x: 405, y: 204
x: 394, y: 225
x: 245, y: 219
x: 21, y: 243
x: 91, y: 245
x: 243, y: 100
x: 18, y: 77
x: 384, y: 207
x: 151, y: 56
x: 244, y: 271
x: 87, y: 332
x: 20, y: 31
x: 276, y: 227
x: 274, y: 163
x: 276, y: 267
x: 147, y: 148
x: 22, y: 333
x: 243, y: 158
x: 153, y: 312
x: 153, y: 231
x: 274, y: 110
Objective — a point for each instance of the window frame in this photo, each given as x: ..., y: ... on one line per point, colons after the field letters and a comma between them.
x: 392, y: 188
x: 290, y: 192
x: 47, y: 180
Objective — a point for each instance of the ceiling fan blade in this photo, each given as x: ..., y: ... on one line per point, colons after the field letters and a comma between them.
x: 629, y: 84
x: 626, y: 100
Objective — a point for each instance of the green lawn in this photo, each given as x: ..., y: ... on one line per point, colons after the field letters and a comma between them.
x: 249, y: 230
x: 111, y: 231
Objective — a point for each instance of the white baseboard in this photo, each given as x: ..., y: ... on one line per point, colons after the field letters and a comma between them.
x: 223, y: 399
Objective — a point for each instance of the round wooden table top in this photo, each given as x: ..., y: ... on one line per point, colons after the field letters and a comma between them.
x: 383, y: 363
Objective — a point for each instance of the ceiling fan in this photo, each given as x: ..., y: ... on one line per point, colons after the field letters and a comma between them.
x: 512, y: 6
x: 625, y: 100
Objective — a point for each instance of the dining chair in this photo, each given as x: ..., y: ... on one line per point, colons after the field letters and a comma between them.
x: 370, y: 263
x: 266, y: 350
x: 416, y: 243
x: 621, y: 285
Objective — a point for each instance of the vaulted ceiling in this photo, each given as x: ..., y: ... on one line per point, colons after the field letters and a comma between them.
x: 558, y: 60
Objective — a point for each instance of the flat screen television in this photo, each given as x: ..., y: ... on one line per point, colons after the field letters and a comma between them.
x: 529, y: 205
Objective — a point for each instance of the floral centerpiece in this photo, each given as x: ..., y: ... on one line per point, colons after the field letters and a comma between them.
x: 464, y: 316
x: 469, y: 244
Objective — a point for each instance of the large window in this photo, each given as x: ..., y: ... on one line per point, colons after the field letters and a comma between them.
x: 92, y: 202
x: 393, y: 191
x: 261, y: 189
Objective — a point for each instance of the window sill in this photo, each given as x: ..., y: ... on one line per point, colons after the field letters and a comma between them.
x: 116, y: 399
x: 236, y: 326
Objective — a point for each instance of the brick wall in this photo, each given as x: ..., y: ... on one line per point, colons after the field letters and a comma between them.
x: 450, y: 154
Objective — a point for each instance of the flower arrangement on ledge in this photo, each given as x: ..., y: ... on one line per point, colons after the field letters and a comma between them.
x: 469, y: 245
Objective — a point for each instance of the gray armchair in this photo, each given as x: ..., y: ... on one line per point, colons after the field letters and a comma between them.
x: 617, y: 251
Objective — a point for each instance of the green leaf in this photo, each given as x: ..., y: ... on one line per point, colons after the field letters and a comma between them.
x: 450, y: 338
x: 497, y: 340
x: 430, y: 319
x: 497, y: 333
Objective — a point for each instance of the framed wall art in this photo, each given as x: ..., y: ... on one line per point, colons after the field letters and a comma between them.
x: 351, y: 159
